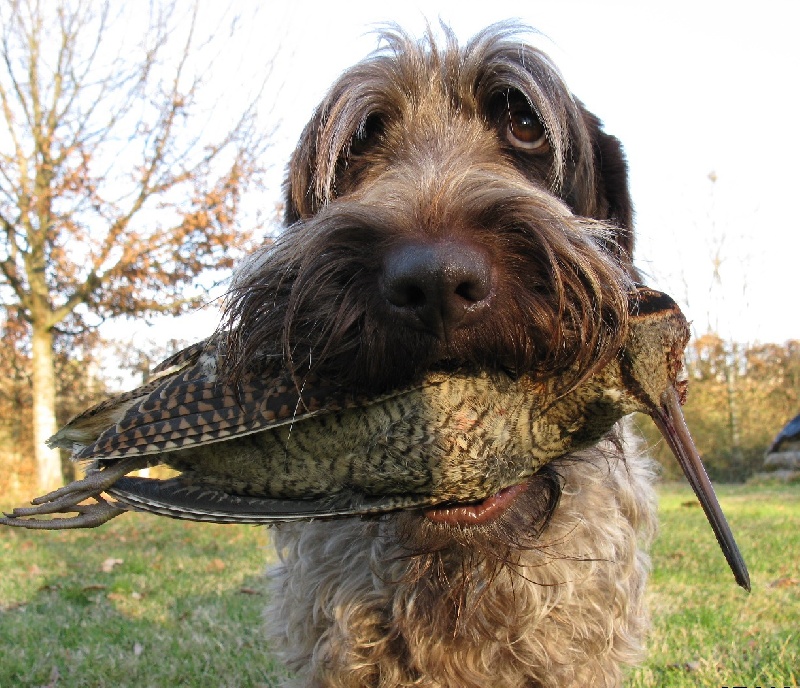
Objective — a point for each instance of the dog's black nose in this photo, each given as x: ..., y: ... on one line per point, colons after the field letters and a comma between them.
x: 437, y: 286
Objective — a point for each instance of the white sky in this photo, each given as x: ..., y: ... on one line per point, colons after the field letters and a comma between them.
x: 691, y: 89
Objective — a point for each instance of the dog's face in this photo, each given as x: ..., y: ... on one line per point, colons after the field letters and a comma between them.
x: 445, y: 207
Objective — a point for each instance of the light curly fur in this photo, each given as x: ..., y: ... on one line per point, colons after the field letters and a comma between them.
x: 350, y: 609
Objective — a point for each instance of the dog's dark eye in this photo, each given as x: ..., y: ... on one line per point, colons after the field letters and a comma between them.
x: 524, y: 130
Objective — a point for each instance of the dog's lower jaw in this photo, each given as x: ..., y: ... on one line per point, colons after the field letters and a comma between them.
x: 351, y: 608
x: 479, y: 513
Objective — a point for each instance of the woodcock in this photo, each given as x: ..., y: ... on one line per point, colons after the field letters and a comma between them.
x: 276, y: 450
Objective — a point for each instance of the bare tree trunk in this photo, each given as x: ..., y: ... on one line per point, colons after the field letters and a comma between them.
x: 48, y: 461
x: 74, y: 232
x: 734, y: 421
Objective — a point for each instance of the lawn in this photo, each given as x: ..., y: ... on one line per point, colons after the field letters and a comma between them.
x: 146, y: 601
x: 142, y: 601
x: 709, y: 632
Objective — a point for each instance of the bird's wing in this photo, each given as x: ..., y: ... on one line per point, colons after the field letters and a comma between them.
x: 85, y: 427
x: 177, y: 499
x: 187, y: 405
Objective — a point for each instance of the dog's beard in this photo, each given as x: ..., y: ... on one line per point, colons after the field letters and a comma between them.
x: 313, y: 298
x: 450, y: 568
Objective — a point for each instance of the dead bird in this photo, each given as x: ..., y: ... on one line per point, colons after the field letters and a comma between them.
x: 455, y: 443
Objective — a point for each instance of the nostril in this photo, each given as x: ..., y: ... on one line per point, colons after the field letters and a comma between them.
x: 405, y: 294
x: 476, y: 289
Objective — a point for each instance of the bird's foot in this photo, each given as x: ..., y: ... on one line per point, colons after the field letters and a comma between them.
x: 68, y: 499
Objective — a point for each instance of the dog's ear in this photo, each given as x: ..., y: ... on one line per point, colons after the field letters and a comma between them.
x: 300, y: 192
x: 611, y: 183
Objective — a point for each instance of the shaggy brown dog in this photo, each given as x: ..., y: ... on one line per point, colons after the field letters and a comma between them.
x: 457, y: 207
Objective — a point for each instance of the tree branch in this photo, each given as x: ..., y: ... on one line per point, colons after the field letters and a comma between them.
x: 76, y: 108
x: 9, y: 265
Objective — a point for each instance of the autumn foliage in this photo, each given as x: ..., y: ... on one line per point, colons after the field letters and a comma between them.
x: 120, y: 187
x: 740, y: 396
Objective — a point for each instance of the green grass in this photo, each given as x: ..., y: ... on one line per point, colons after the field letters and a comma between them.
x: 183, y: 608
x: 707, y: 630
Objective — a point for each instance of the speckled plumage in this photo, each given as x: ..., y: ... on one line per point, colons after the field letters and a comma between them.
x: 453, y: 437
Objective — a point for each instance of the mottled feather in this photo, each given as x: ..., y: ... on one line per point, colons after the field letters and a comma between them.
x: 453, y: 437
x: 274, y: 450
x: 185, y: 405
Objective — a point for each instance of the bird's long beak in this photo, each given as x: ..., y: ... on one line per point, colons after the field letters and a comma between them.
x: 669, y: 419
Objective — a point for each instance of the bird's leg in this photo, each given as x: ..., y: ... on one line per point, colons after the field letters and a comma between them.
x: 67, y: 500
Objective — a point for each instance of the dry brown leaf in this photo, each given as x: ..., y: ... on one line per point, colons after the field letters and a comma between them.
x: 785, y: 582
x: 215, y: 566
x: 108, y: 565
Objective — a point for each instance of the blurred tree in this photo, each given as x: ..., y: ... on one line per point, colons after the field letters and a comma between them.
x: 771, y: 393
x: 733, y: 425
x: 139, y: 357
x: 117, y: 187
x: 15, y: 389
x: 78, y: 385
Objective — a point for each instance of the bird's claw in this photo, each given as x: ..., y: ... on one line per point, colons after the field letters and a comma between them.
x: 90, y: 516
x: 68, y: 499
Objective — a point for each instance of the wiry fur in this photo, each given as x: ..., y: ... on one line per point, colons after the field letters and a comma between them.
x: 407, y: 147
x: 414, y: 150
x: 351, y: 608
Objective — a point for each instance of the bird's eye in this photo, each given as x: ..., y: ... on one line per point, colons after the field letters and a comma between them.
x: 524, y: 130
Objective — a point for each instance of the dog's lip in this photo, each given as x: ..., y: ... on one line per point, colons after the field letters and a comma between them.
x: 476, y: 513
